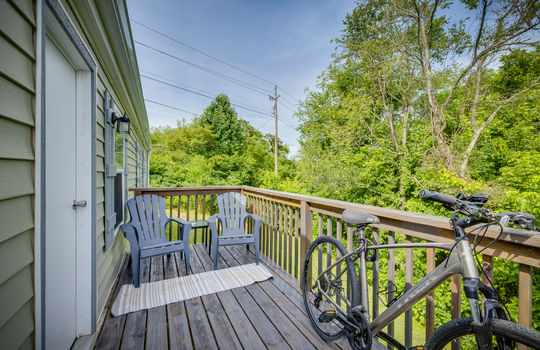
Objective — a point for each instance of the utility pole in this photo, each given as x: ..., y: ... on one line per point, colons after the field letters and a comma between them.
x: 275, y: 98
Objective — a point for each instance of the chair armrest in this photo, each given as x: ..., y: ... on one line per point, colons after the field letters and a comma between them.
x: 130, y: 232
x: 212, y: 225
x: 186, y: 227
x: 257, y: 222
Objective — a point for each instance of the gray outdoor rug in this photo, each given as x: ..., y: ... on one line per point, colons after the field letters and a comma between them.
x: 159, y: 293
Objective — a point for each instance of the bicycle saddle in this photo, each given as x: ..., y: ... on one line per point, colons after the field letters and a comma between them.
x: 356, y: 217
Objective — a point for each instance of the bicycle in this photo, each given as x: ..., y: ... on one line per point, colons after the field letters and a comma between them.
x: 337, y: 300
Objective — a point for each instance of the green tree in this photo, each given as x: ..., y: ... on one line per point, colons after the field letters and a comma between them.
x: 224, y: 123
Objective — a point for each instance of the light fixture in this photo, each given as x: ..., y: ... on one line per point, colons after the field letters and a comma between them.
x: 122, y: 123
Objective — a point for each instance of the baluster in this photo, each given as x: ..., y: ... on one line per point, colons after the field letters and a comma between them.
x: 170, y: 215
x: 375, y: 286
x: 430, y: 298
x: 329, y: 233
x: 319, y: 247
x: 187, y: 207
x: 264, y: 247
x: 290, y: 235
x: 408, y: 284
x: 339, y: 228
x: 525, y: 297
x: 283, y: 250
x: 275, y: 232
x: 391, y: 275
x: 217, y: 227
x: 349, y: 248
x: 205, y: 230
x: 178, y: 215
x: 196, y: 217
x: 297, y: 255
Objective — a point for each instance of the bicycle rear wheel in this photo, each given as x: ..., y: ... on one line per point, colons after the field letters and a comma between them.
x: 460, y: 334
x: 323, y: 293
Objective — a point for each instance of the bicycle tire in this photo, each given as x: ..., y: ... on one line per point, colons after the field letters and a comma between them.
x: 501, y: 329
x: 352, y: 281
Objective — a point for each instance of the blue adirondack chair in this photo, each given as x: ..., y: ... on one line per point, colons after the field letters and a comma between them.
x: 147, y: 235
x: 232, y: 216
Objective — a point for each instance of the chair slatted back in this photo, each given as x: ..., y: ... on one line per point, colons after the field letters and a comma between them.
x: 148, y: 214
x: 232, y: 207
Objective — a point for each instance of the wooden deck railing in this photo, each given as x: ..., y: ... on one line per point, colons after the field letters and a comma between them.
x: 292, y: 221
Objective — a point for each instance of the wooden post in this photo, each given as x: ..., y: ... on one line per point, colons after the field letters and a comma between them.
x: 339, y: 233
x: 306, y: 234
x: 170, y: 215
x: 525, y: 297
x: 456, y: 304
x: 290, y: 234
x: 319, y: 248
x: 391, y: 275
x: 375, y: 286
x: 487, y: 266
x: 409, y: 256
x: 430, y: 298
x: 297, y: 256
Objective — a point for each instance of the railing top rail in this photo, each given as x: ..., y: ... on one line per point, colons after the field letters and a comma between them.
x: 517, y: 245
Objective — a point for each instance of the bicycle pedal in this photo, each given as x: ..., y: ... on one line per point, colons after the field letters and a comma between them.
x: 418, y: 347
x: 327, y: 316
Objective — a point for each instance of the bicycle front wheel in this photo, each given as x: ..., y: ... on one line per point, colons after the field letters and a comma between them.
x: 460, y: 334
x: 329, y: 293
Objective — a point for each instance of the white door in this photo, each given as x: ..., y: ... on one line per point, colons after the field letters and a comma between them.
x: 60, y: 191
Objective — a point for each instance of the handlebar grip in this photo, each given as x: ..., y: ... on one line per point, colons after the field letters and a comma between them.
x: 512, y: 214
x: 437, y: 197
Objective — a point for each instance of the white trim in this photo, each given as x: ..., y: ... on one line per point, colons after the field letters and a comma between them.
x: 84, y: 141
x: 37, y: 173
x: 84, y: 215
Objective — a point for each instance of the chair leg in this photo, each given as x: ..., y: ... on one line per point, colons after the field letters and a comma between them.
x: 186, y: 255
x: 135, y: 268
x: 256, y: 248
x: 215, y: 254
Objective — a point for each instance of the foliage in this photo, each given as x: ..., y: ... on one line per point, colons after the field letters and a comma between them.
x: 218, y: 148
x: 415, y: 98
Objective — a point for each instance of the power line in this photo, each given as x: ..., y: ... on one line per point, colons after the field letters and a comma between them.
x: 208, y: 70
x: 233, y: 102
x: 286, y: 93
x: 201, y: 52
x: 289, y: 108
x: 176, y: 82
x: 204, y: 95
x: 169, y: 106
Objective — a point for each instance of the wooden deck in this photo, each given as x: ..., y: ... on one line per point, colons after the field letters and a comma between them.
x: 265, y: 315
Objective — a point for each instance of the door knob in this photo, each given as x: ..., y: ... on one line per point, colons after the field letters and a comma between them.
x: 78, y: 204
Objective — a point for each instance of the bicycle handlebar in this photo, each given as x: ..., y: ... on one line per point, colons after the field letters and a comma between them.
x: 474, y: 209
x: 438, y: 197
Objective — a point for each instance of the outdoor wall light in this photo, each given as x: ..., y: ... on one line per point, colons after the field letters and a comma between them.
x: 122, y: 123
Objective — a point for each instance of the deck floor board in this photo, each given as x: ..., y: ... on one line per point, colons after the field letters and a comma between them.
x: 265, y: 315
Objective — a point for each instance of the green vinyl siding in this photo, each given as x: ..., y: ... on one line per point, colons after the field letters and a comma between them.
x: 17, y: 86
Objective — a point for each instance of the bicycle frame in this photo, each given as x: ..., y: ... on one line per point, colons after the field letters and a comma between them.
x: 459, y: 261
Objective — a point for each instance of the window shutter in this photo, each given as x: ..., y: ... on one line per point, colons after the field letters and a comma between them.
x: 137, y: 165
x: 110, y: 172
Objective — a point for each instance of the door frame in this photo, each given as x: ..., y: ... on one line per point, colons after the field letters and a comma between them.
x: 52, y: 19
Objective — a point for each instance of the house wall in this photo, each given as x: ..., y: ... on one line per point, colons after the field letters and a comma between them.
x: 108, y: 262
x: 17, y: 121
x: 17, y: 169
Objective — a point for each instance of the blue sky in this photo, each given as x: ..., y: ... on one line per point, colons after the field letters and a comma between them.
x: 286, y: 42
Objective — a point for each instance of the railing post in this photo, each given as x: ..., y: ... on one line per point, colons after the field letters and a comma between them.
x: 306, y: 233
x: 456, y: 304
x: 391, y: 276
x: 430, y: 298
x: 408, y: 284
x: 525, y: 297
